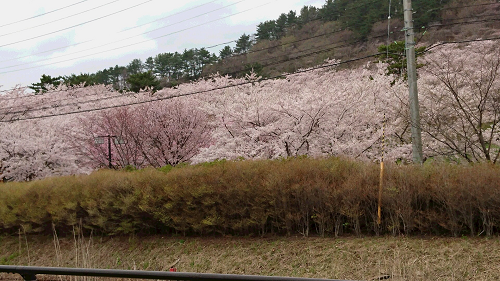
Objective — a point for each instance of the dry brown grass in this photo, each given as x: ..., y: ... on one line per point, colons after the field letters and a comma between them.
x: 348, y: 258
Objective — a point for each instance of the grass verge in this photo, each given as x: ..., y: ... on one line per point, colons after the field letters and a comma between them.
x: 414, y: 258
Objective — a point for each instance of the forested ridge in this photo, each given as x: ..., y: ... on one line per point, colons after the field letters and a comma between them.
x: 339, y: 29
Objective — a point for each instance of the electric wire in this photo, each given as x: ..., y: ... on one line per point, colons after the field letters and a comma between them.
x: 318, y: 18
x: 162, y: 18
x: 43, y: 14
x: 141, y: 42
x: 187, y: 94
x: 43, y: 24
x: 220, y: 44
x: 304, y: 39
x: 75, y: 44
x: 427, y: 49
x: 252, y: 51
x: 260, y: 50
x: 76, y: 25
x: 197, y: 92
x: 24, y: 110
x: 125, y: 39
x: 83, y: 42
x: 332, y: 33
x: 465, y: 23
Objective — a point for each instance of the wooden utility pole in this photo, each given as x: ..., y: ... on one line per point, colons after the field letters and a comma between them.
x: 416, y: 134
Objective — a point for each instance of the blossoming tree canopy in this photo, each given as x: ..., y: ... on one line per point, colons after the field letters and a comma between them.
x: 315, y: 112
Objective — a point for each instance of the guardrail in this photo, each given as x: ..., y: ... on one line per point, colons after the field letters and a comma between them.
x: 29, y: 274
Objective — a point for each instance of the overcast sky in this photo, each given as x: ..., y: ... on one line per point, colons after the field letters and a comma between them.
x: 84, y: 36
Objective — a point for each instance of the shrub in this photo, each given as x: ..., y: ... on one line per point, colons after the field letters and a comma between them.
x: 331, y: 196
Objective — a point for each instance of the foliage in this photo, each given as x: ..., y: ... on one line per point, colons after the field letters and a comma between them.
x: 168, y: 66
x: 255, y: 68
x: 317, y: 113
x: 394, y: 55
x: 172, y: 69
x: 135, y: 67
x: 330, y: 197
x: 243, y: 44
x: 165, y: 133
x: 360, y: 15
x: 225, y: 52
x: 143, y: 80
x: 81, y: 79
x: 46, y: 81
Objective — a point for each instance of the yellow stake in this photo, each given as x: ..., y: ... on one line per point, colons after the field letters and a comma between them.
x: 379, y: 220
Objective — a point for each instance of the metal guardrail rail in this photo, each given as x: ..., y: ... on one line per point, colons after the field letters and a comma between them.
x: 29, y: 274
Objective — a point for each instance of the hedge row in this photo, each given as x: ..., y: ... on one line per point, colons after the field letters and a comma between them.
x: 283, y: 197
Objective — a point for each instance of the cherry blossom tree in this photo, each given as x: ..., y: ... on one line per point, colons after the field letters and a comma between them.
x: 119, y: 125
x: 326, y: 111
x: 30, y: 149
x: 317, y: 113
x: 460, y: 89
x: 173, y: 131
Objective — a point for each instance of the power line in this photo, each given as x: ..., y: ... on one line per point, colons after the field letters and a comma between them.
x: 464, y: 23
x: 137, y: 43
x: 125, y: 39
x: 315, y: 52
x: 319, y: 18
x: 316, y: 36
x: 76, y: 25
x: 195, y: 7
x: 7, y: 90
x: 230, y: 73
x: 72, y: 45
x: 278, y: 45
x: 461, y: 7
x: 459, y: 42
x: 271, y: 47
x: 218, y: 88
x: 217, y: 45
x: 43, y: 14
x: 83, y: 42
x: 24, y: 110
x: 79, y: 13
x: 259, y: 50
x: 131, y: 93
x: 186, y: 94
x: 304, y: 39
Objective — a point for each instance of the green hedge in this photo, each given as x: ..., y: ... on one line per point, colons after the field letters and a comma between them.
x: 282, y: 197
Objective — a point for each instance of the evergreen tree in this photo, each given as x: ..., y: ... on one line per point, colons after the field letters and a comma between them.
x: 225, y: 52
x: 266, y: 30
x: 82, y: 78
x: 135, y: 66
x: 394, y: 55
x: 307, y: 14
x: 281, y: 25
x: 149, y: 64
x: 143, y: 80
x: 163, y: 65
x: 291, y: 18
x: 45, y: 81
x: 243, y: 44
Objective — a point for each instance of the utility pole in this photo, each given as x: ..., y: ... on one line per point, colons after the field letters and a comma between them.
x: 109, y: 152
x: 100, y: 140
x: 416, y: 134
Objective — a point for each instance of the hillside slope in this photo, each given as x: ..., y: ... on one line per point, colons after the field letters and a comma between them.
x: 359, y: 34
